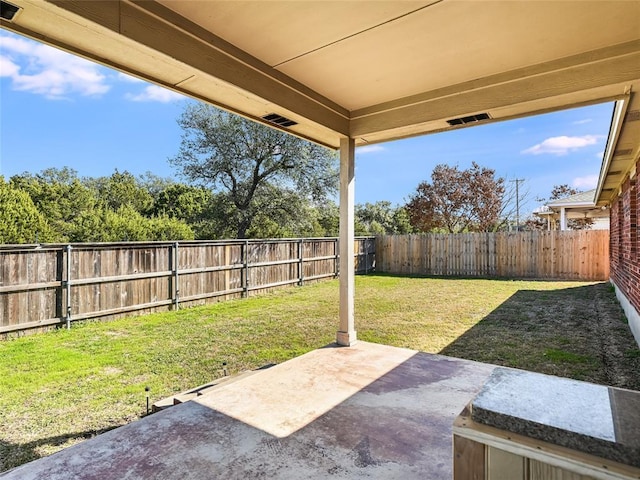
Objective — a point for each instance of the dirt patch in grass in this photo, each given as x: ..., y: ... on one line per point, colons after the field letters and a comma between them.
x: 62, y: 387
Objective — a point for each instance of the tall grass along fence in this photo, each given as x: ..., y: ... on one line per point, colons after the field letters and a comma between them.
x: 48, y: 285
x: 561, y: 255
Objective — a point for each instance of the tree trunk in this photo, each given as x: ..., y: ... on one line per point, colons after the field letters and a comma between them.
x: 243, y: 226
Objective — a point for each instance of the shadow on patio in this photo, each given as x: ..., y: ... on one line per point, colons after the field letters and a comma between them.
x: 369, y: 411
x: 28, y: 452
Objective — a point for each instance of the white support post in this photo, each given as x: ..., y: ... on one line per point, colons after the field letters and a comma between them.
x: 347, y: 333
x: 563, y: 219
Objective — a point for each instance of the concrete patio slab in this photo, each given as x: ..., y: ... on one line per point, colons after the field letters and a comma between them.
x: 366, y: 411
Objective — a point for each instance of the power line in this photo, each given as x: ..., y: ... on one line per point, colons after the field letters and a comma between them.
x: 518, y: 181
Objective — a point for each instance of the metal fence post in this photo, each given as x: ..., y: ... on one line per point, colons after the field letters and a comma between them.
x: 367, y: 244
x: 245, y: 261
x: 300, y: 263
x: 176, y: 286
x: 374, y: 260
x: 336, y: 263
x: 68, y: 286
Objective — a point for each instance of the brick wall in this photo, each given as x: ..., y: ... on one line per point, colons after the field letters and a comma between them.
x: 615, y: 221
x: 625, y: 246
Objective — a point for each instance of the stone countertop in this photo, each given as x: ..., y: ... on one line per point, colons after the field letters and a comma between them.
x: 595, y: 419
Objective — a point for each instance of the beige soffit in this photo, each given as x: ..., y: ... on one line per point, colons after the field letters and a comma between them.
x: 622, y: 151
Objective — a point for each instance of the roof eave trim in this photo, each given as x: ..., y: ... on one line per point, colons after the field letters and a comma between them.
x: 617, y: 119
x: 572, y: 205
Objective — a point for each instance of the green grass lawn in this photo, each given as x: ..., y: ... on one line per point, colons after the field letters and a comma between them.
x: 59, y: 388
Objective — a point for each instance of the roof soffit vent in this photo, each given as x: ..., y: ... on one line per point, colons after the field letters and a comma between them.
x: 8, y: 11
x: 623, y: 152
x: 279, y: 120
x: 470, y: 119
x: 633, y: 116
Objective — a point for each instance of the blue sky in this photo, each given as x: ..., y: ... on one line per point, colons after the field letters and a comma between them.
x: 58, y: 110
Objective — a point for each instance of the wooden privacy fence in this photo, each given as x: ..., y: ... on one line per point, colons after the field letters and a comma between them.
x: 47, y: 285
x: 566, y: 255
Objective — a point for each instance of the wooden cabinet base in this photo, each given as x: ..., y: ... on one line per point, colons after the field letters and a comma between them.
x: 486, y: 453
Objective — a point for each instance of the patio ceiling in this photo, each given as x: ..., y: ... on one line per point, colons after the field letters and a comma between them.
x: 373, y: 71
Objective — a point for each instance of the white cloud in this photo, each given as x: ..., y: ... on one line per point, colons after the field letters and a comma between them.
x: 581, y: 122
x: 587, y: 182
x: 562, y: 145
x: 154, y: 93
x: 600, y: 154
x: 8, y: 68
x: 370, y: 149
x: 43, y: 70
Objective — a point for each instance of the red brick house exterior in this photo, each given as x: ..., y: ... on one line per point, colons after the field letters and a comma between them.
x: 625, y: 249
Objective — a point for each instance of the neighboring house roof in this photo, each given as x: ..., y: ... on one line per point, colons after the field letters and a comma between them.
x: 580, y: 205
x: 579, y: 199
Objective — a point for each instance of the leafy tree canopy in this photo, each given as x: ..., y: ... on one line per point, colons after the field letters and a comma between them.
x: 115, y: 208
x: 563, y: 191
x: 457, y: 200
x: 187, y: 202
x: 121, y: 189
x: 21, y: 220
x: 246, y: 180
x: 381, y: 218
x: 248, y: 161
x: 59, y: 195
x: 127, y: 225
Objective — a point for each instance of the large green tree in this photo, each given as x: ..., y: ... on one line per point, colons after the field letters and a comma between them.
x: 382, y: 218
x: 59, y: 195
x: 21, y: 221
x: 127, y: 225
x: 246, y: 161
x: 120, y: 189
x: 187, y: 202
x: 457, y: 200
x: 114, y: 208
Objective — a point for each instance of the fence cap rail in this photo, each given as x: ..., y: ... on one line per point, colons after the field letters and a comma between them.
x: 164, y: 243
x: 29, y: 247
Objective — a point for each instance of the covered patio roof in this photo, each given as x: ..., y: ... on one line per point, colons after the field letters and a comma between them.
x: 370, y: 70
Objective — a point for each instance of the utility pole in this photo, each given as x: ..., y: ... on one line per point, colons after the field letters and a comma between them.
x: 518, y: 181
